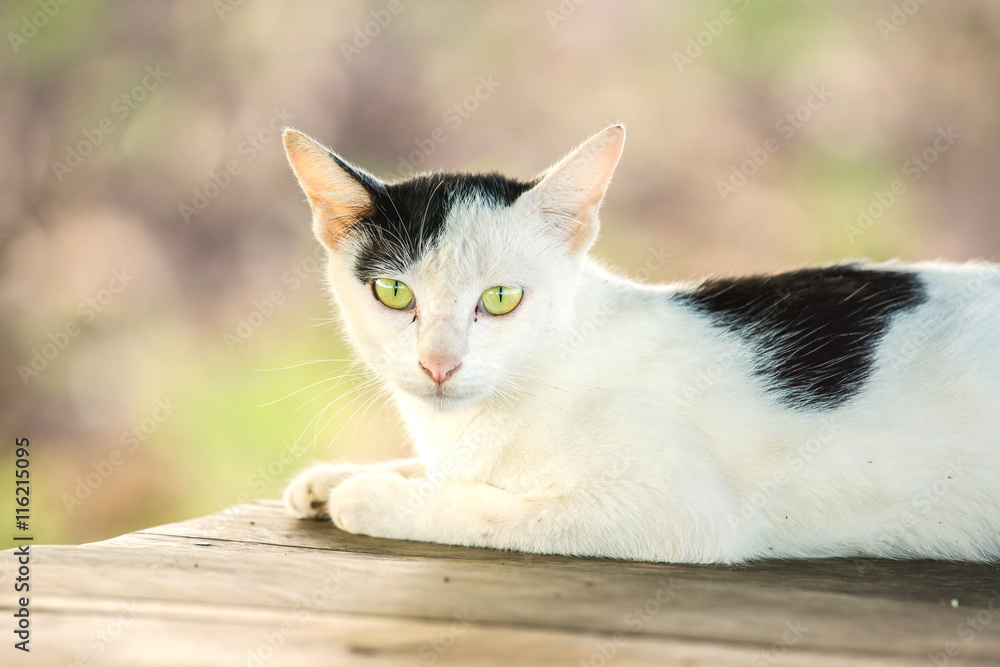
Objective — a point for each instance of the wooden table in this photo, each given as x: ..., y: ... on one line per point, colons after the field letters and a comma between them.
x: 252, y: 586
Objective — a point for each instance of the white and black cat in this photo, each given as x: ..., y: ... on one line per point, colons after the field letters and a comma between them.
x: 847, y: 410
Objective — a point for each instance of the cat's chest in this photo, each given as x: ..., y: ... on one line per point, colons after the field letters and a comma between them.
x: 510, y: 449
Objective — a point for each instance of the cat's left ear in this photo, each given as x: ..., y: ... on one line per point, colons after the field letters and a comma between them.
x: 570, y: 194
x: 339, y: 192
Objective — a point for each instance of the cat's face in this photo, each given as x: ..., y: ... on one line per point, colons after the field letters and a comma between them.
x: 452, y: 285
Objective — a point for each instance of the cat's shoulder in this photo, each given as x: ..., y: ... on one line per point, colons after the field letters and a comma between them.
x: 826, y: 292
x: 817, y: 329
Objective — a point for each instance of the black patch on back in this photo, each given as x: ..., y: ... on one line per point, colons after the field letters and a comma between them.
x: 408, y: 217
x: 816, y: 330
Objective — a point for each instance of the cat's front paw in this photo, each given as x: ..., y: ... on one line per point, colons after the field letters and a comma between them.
x: 373, y: 504
x: 307, y: 495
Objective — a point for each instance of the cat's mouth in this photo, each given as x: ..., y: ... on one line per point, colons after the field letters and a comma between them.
x: 443, y: 397
x: 453, y: 394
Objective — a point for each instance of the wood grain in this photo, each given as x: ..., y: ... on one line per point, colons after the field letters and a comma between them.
x: 206, y: 591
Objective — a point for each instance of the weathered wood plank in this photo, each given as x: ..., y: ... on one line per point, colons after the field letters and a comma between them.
x: 936, y: 582
x: 72, y: 631
x: 590, y: 596
x: 219, y: 581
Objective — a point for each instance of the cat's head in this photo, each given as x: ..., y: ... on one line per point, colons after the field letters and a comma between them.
x: 452, y: 285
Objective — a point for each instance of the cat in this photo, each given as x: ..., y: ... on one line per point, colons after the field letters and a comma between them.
x: 556, y: 407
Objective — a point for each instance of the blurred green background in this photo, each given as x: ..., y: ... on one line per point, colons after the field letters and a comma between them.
x: 159, y: 288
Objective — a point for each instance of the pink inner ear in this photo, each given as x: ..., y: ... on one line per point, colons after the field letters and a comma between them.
x: 337, y: 199
x: 574, y: 188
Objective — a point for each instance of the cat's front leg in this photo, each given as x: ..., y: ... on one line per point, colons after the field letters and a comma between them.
x: 306, y: 496
x: 448, y: 512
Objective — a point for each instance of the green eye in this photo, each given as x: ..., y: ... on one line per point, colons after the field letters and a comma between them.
x: 392, y: 293
x: 501, y: 300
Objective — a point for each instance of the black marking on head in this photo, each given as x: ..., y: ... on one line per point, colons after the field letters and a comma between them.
x: 816, y: 330
x: 407, y: 217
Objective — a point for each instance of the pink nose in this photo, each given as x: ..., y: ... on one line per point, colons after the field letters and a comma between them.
x: 439, y: 371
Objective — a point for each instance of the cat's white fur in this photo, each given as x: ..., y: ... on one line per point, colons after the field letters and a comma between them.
x: 600, y: 418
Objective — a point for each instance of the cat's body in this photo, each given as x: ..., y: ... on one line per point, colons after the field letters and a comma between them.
x: 848, y: 410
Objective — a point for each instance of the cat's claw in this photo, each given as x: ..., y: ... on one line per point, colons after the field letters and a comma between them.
x: 317, y: 510
x: 307, y: 495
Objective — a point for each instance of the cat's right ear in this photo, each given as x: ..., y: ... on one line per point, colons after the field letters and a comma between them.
x: 340, y: 193
x: 570, y: 194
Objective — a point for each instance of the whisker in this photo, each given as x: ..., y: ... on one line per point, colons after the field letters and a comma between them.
x: 347, y: 421
x: 534, y: 378
x: 361, y: 391
x: 361, y: 416
x: 375, y: 417
x: 299, y: 391
x: 343, y: 380
x: 569, y: 419
x: 304, y: 363
x: 526, y: 404
x: 317, y: 417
